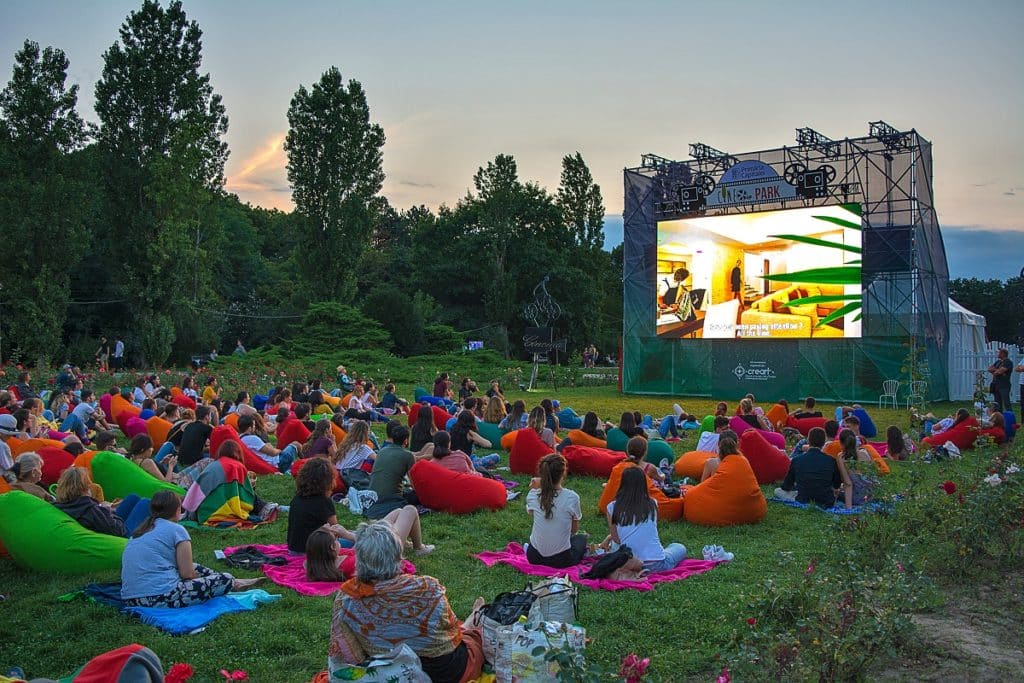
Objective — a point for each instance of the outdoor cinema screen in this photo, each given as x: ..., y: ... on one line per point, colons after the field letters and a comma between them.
x: 788, y: 274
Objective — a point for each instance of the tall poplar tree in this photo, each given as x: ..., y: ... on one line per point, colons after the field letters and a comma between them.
x: 579, y: 198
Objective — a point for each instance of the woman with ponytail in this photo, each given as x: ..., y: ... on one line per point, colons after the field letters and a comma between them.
x: 554, y: 541
x: 157, y: 568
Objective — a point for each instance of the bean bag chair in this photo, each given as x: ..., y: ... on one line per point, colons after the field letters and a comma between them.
x: 42, y: 538
x: 768, y: 462
x: 120, y: 477
x: 339, y: 485
x: 339, y: 433
x: 441, y: 416
x: 740, y: 426
x: 708, y: 423
x: 133, y: 662
x: 418, y: 393
x: 805, y: 424
x: 580, y: 438
x: 55, y: 461
x: 491, y: 432
x: 658, y: 450
x: 1010, y: 424
x: 729, y: 496
x: 222, y: 493
x: 616, y: 439
x: 291, y: 430
x: 158, y: 428
x: 135, y: 426
x: 508, y: 439
x: 456, y: 493
x: 232, y: 420
x: 568, y: 419
x: 105, y: 404
x: 591, y: 461
x: 867, y: 425
x: 183, y: 401
x: 253, y: 462
x: 437, y: 401
x: 995, y: 433
x: 449, y: 423
x: 32, y: 445
x: 962, y: 435
x: 835, y: 449
x: 527, y: 452
x: 777, y: 416
x: 669, y: 509
x: 691, y: 464
x: 259, y: 401
x: 119, y: 405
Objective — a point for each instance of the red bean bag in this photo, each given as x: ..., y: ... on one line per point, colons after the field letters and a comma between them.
x: 441, y: 416
x: 777, y: 416
x: 669, y: 509
x: 289, y: 431
x: 135, y: 426
x: 456, y: 493
x: 527, y: 452
x: 158, y: 428
x: 508, y: 440
x: 183, y: 401
x: 55, y: 461
x: 591, y: 461
x: 768, y: 462
x: 740, y: 426
x: 997, y: 434
x: 729, y: 496
x: 691, y: 464
x: 962, y: 435
x: 581, y: 438
x: 805, y: 424
x: 253, y: 462
x: 31, y: 445
x: 339, y: 485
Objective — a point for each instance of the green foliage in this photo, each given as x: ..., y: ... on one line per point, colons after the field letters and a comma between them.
x: 442, y: 339
x: 579, y: 198
x: 999, y: 301
x: 155, y: 335
x: 397, y: 314
x: 329, y: 327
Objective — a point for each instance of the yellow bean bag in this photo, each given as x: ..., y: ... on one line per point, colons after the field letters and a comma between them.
x: 669, y: 509
x: 332, y: 401
x: 729, y: 496
x: 581, y: 438
x: 691, y: 464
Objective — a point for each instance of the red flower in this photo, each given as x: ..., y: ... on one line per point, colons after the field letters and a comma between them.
x: 949, y: 487
x: 899, y: 567
x: 632, y: 668
x: 179, y: 673
x: 236, y: 675
x: 751, y: 621
x: 810, y: 569
x: 724, y: 677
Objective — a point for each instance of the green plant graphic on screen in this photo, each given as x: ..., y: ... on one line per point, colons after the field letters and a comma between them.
x: 847, y: 274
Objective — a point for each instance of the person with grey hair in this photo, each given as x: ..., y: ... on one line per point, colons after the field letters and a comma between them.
x: 382, y: 607
x: 28, y: 470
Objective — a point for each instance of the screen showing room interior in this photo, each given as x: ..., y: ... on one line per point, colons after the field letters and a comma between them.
x: 787, y: 274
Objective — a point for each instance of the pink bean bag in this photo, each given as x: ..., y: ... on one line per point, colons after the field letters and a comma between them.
x: 135, y: 426
x: 768, y: 462
x: 456, y: 493
x: 591, y: 461
x: 253, y: 462
x: 805, y: 424
x: 738, y: 425
x: 527, y: 452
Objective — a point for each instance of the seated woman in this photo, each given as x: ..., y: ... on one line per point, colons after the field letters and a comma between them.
x: 352, y: 452
x: 390, y: 403
x: 748, y: 415
x: 636, y: 454
x: 282, y: 399
x: 897, y: 446
x: 728, y: 444
x: 550, y: 419
x: 74, y: 498
x: 360, y: 406
x: 554, y: 540
x: 140, y: 451
x: 592, y: 426
x: 494, y: 412
x: 537, y: 422
x: 157, y: 568
x: 382, y: 607
x: 312, y: 507
x: 465, y: 436
x: 629, y: 426
x: 854, y: 458
x: 633, y: 521
x: 321, y: 442
x: 453, y: 459
x: 516, y: 418
x: 28, y: 470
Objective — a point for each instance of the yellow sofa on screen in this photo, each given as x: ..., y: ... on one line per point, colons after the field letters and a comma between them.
x: 799, y: 322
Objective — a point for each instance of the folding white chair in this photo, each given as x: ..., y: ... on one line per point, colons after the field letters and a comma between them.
x: 890, y: 387
x: 917, y: 390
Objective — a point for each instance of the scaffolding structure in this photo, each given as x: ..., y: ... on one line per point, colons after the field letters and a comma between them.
x: 904, y: 272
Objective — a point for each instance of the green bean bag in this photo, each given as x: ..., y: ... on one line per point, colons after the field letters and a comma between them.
x: 658, y: 450
x: 42, y: 538
x: 120, y: 477
x: 616, y: 439
x: 420, y: 392
x: 491, y: 432
x: 708, y: 424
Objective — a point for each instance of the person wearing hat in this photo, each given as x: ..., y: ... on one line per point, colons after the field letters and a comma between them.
x: 8, y: 428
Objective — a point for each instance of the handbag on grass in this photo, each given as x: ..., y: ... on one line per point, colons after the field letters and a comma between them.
x: 609, y: 562
x: 506, y: 609
x: 557, y: 599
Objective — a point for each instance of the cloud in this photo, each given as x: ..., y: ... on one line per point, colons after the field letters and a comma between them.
x: 261, y: 178
x: 1010, y: 193
x: 413, y: 183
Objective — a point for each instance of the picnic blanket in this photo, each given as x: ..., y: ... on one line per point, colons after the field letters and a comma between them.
x: 514, y: 556
x: 223, y: 493
x: 176, y: 620
x: 293, y: 573
x: 838, y: 508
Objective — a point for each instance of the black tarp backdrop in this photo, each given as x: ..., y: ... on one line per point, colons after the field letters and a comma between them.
x: 904, y: 279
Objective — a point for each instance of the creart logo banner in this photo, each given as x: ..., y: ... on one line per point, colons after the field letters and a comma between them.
x: 754, y: 371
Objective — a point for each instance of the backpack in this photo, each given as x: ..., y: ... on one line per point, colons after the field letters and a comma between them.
x: 609, y: 562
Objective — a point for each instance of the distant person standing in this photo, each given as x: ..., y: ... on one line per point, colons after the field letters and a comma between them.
x: 239, y: 349
x: 118, y: 362
x: 736, y: 279
x: 103, y: 354
x: 1001, y: 371
x: 1020, y: 377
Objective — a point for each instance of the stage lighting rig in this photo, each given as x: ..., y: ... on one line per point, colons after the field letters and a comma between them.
x: 710, y: 158
x: 654, y: 161
x: 808, y: 137
x: 889, y: 136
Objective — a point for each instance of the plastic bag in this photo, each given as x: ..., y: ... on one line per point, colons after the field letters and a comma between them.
x: 516, y: 660
x: 400, y: 665
x: 557, y: 600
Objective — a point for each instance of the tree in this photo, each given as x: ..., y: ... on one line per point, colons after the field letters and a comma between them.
x: 335, y: 167
x: 580, y: 200
x: 160, y: 133
x: 44, y: 199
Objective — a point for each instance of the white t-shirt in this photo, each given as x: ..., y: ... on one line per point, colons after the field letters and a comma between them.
x: 708, y: 442
x: 355, y: 457
x: 84, y: 411
x: 255, y: 444
x: 363, y: 404
x: 139, y: 395
x: 551, y: 536
x: 641, y: 538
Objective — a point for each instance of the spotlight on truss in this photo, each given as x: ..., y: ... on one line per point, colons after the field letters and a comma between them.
x: 889, y: 136
x: 701, y: 152
x: 808, y: 137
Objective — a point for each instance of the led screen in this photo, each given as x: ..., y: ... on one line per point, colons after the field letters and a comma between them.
x: 789, y: 274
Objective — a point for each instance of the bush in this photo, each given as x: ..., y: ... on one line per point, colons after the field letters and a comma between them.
x: 397, y: 314
x: 329, y: 327
x: 442, y: 339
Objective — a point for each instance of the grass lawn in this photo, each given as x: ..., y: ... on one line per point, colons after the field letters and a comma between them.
x: 682, y: 626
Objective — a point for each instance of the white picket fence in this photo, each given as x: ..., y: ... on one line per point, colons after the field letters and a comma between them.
x: 965, y: 366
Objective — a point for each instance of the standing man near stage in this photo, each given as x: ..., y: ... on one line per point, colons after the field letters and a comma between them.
x: 1020, y: 376
x: 118, y: 363
x: 1001, y: 371
x: 736, y: 278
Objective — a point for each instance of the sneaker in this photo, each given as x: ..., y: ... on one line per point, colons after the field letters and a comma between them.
x: 425, y: 550
x: 722, y: 555
x: 708, y: 552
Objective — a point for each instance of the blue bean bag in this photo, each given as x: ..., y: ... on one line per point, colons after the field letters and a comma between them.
x: 867, y: 425
x: 568, y: 419
x: 259, y: 402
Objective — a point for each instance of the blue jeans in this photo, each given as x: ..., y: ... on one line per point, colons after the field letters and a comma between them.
x: 287, y: 456
x: 668, y: 425
x: 72, y: 424
x: 674, y: 554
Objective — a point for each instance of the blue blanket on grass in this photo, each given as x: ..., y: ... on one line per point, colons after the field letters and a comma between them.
x: 179, y: 620
x: 838, y: 508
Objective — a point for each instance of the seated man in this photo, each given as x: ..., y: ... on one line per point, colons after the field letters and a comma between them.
x: 392, y: 463
x: 807, y: 410
x: 831, y: 432
x: 816, y: 476
x: 708, y: 441
x: 195, y: 438
x: 281, y: 459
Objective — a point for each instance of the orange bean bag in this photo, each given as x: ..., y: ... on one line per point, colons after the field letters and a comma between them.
x: 691, y: 464
x: 777, y: 416
x: 253, y: 462
x: 591, y: 461
x: 183, y: 401
x: 508, y: 440
x: 232, y: 419
x: 768, y: 462
x: 835, y: 449
x: 581, y: 438
x: 456, y: 493
x: 289, y: 431
x: 669, y: 509
x: 345, y: 399
x: 729, y: 496
x: 441, y: 416
x: 526, y: 452
x: 119, y: 405
x: 339, y: 485
x: 32, y: 445
x: 962, y: 435
x: 55, y: 461
x: 805, y: 424
x: 158, y: 428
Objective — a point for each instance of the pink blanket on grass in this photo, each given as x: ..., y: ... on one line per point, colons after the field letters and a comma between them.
x: 514, y: 556
x: 293, y: 574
